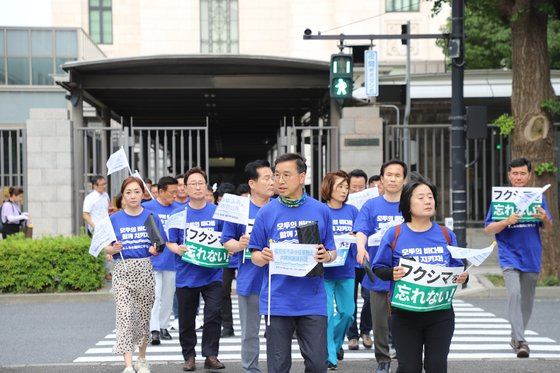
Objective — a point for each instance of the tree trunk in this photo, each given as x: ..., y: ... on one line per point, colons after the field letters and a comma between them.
x: 531, y: 85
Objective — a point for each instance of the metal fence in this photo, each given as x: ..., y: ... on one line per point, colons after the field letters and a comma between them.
x: 430, y: 155
x: 318, y: 145
x: 13, y: 160
x: 153, y: 151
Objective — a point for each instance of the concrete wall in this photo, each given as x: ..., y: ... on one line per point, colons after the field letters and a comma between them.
x: 49, y: 170
x: 361, y: 124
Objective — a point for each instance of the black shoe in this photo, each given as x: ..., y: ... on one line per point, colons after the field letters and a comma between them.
x: 155, y: 337
x: 332, y: 367
x: 383, y: 367
x: 165, y: 335
x: 227, y: 333
x: 340, y: 354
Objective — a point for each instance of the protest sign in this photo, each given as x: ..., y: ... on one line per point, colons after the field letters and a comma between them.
x: 375, y: 239
x: 474, y: 256
x: 103, y: 235
x: 234, y: 209
x: 358, y: 199
x: 177, y: 220
x: 509, y: 200
x: 292, y: 259
x: 117, y: 161
x: 425, y: 287
x: 342, y: 242
x: 204, y: 249
x: 248, y: 230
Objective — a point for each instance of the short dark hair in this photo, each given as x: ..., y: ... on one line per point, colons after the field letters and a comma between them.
x: 242, y: 189
x: 95, y: 179
x: 520, y: 162
x: 165, y: 181
x: 224, y: 188
x: 180, y: 176
x: 15, y: 191
x: 327, y: 185
x: 300, y: 161
x: 148, y: 181
x: 251, y: 169
x: 373, y: 178
x: 358, y: 173
x: 406, y: 195
x: 391, y: 162
x: 196, y: 170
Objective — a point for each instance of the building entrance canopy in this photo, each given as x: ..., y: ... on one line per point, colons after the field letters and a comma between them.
x: 244, y: 98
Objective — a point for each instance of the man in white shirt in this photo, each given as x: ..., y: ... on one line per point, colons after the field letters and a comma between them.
x: 96, y: 204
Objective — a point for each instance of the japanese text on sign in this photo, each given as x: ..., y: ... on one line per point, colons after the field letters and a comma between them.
x: 204, y: 249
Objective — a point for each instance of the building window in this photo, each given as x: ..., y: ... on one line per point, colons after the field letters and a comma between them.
x: 219, y: 26
x: 101, y: 21
x: 402, y: 5
x: 17, y: 57
x: 2, y: 58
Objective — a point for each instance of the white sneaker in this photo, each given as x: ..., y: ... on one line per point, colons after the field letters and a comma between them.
x: 129, y: 370
x: 142, y: 366
x: 199, y: 322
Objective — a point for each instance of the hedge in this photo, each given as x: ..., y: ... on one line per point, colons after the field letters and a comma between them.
x: 49, y: 264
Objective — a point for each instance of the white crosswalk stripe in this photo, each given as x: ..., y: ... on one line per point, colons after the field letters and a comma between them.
x: 478, y: 335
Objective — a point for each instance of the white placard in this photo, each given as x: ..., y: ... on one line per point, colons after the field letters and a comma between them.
x: 292, y: 259
x: 358, y: 199
x: 233, y: 208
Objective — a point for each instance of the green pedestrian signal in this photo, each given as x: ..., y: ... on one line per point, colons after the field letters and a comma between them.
x: 341, y: 76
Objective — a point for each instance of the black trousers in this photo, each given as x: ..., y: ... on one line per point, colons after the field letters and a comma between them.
x: 227, y: 317
x: 311, y: 333
x: 365, y: 316
x: 428, y: 331
x: 188, y: 304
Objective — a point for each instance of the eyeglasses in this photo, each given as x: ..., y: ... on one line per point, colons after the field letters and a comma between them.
x: 285, y: 176
x: 194, y: 184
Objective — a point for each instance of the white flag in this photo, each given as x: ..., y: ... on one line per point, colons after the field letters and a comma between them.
x: 117, y: 161
x: 474, y: 256
x: 177, y: 220
x: 527, y: 199
x: 292, y: 259
x: 358, y: 199
x: 233, y: 208
x: 103, y: 235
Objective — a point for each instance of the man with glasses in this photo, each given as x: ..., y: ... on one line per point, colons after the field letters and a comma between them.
x: 193, y: 280
x: 164, y: 263
x: 297, y: 303
x: 96, y: 204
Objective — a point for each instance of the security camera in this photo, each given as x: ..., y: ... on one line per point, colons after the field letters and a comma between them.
x: 308, y: 31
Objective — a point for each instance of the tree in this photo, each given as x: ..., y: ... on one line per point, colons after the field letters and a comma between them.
x: 533, y: 135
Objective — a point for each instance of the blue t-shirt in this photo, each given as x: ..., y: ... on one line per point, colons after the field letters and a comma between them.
x: 374, y: 215
x: 428, y: 247
x: 343, y: 220
x: 165, y: 261
x: 191, y: 275
x: 182, y: 204
x: 131, y: 232
x: 292, y: 296
x: 519, y: 245
x: 249, y: 276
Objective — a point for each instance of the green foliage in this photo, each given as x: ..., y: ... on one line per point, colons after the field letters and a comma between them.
x: 551, y: 105
x: 49, y: 264
x: 497, y: 280
x: 506, y: 123
x: 551, y: 280
x: 488, y: 36
x: 545, y: 167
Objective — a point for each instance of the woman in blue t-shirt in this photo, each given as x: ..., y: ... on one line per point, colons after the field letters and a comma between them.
x: 133, y: 275
x: 424, y: 241
x: 339, y: 279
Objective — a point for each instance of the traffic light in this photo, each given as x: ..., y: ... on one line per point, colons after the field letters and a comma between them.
x: 341, y: 76
x: 404, y: 31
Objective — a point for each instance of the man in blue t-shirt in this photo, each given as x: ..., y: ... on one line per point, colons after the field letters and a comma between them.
x: 296, y: 303
x: 519, y: 253
x: 193, y: 280
x: 249, y: 276
x: 375, y: 217
x: 164, y: 264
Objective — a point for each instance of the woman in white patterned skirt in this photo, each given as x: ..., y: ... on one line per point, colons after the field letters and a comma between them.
x: 133, y: 276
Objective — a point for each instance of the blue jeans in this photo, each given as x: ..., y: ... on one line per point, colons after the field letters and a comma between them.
x: 341, y: 291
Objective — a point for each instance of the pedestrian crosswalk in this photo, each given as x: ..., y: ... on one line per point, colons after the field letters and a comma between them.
x: 478, y: 335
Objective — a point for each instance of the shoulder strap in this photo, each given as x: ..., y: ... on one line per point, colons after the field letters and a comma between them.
x: 446, y: 234
x: 397, y: 232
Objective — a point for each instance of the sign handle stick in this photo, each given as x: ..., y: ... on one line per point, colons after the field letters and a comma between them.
x: 469, y: 267
x: 269, y: 288
x: 123, y: 262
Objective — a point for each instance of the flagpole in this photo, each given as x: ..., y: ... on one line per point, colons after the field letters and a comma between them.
x: 123, y: 262
x: 269, y: 288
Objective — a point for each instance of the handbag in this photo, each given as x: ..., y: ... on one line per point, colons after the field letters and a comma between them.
x: 309, y: 234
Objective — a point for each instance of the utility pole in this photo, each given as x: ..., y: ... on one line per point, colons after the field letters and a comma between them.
x: 458, y: 168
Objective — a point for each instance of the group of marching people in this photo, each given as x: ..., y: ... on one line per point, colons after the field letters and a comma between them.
x: 318, y: 309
